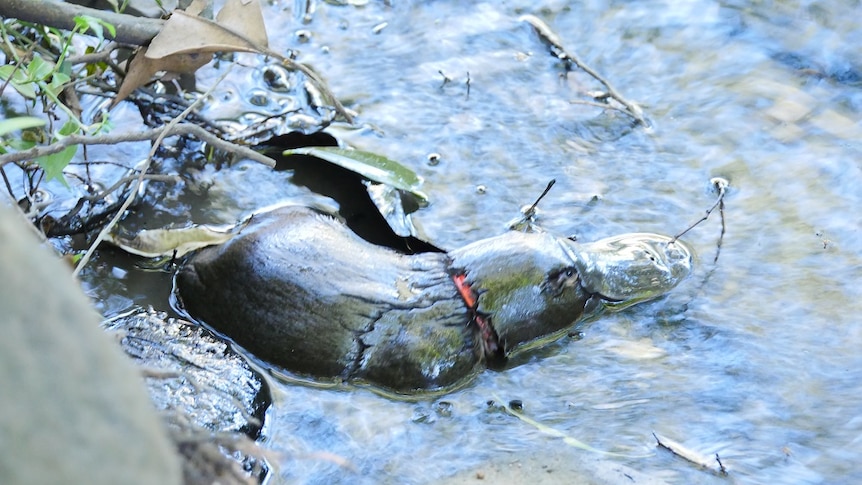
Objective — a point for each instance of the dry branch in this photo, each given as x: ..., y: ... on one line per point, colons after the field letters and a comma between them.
x: 691, y: 456
x: 130, y: 29
x: 553, y: 40
x: 180, y: 129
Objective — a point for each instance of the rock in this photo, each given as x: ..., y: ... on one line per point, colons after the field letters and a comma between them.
x: 191, y: 371
x: 211, y: 398
x: 74, y: 408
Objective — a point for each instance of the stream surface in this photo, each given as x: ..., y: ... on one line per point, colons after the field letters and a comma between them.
x: 755, y: 357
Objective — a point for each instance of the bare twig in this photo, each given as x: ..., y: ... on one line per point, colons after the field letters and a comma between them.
x: 446, y: 79
x: 528, y: 215
x: 691, y: 456
x: 315, y: 79
x: 719, y: 184
x: 531, y: 211
x: 553, y: 40
x: 569, y: 440
x: 599, y: 105
x: 103, y: 55
x: 128, y: 179
x: 140, y: 180
x: 8, y: 185
x: 720, y: 464
x: 165, y: 131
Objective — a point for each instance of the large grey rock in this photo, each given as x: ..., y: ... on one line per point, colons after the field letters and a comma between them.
x: 73, y: 409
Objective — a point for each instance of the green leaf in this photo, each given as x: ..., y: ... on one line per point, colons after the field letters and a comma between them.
x: 369, y: 165
x: 84, y: 23
x: 69, y: 128
x: 111, y: 29
x: 58, y: 81
x: 54, y: 164
x: 19, y: 81
x: 20, y: 123
x: 38, y: 69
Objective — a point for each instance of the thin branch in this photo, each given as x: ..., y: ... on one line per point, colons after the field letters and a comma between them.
x: 525, y: 222
x: 691, y: 456
x: 553, y: 40
x: 128, y: 179
x: 8, y: 185
x: 720, y: 185
x: 130, y: 29
x: 601, y: 105
x: 531, y: 211
x: 102, y: 55
x: 148, y: 135
x: 315, y: 78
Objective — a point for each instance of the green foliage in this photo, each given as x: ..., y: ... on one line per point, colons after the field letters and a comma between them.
x: 26, y: 80
x: 84, y: 23
x: 20, y: 123
x: 37, y: 70
x: 54, y: 164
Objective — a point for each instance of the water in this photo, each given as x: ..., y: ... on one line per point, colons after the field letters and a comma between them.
x: 754, y: 358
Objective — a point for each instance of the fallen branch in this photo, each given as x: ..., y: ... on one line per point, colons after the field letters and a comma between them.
x: 153, y: 134
x: 691, y: 456
x: 553, y: 40
x: 569, y: 440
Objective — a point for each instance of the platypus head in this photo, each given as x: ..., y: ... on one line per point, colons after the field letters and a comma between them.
x: 630, y: 268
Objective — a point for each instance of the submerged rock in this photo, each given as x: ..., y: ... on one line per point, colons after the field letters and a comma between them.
x: 210, y: 397
x: 190, y: 370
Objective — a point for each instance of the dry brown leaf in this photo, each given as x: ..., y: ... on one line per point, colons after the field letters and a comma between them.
x: 142, y: 69
x: 154, y: 243
x: 184, y: 33
x: 244, y: 18
x: 198, y: 6
x: 187, y: 42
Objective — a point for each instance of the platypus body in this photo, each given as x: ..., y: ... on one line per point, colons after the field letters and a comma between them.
x: 300, y: 290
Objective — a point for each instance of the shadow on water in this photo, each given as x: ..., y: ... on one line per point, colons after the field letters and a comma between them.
x: 754, y: 358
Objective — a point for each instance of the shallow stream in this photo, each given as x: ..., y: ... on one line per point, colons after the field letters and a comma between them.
x: 756, y: 357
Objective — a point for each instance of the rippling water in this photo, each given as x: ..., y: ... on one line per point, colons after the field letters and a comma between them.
x: 755, y: 357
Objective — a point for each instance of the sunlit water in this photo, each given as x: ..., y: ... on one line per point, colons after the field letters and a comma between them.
x: 755, y: 358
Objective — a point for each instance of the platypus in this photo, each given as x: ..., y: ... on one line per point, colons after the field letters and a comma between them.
x: 300, y: 290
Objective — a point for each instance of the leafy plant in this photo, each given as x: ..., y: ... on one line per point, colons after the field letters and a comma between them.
x: 39, y: 71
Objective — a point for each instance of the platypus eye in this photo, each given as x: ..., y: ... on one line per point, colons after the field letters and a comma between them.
x: 561, y: 279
